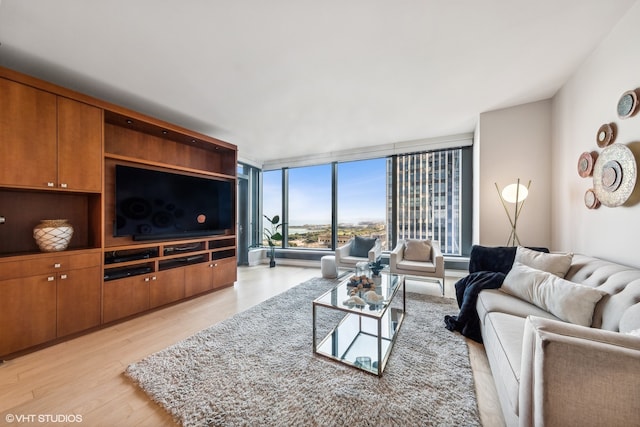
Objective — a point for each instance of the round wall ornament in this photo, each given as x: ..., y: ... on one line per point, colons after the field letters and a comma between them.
x: 606, y: 135
x: 614, y: 175
x: 585, y: 164
x: 627, y: 104
x: 590, y: 199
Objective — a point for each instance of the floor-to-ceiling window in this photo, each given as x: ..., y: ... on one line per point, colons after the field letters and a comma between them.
x: 271, y: 196
x: 309, y: 207
x: 417, y: 195
x: 428, y: 198
x: 248, y: 210
x: 362, y: 200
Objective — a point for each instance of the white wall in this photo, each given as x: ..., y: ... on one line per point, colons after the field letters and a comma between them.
x: 513, y: 143
x: 584, y: 103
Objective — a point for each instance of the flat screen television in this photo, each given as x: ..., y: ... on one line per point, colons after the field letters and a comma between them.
x: 152, y: 204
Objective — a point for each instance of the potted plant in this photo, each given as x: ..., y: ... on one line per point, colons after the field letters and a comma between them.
x: 376, y: 267
x: 272, y: 234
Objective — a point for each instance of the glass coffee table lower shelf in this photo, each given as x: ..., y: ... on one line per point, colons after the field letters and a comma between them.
x: 361, y: 332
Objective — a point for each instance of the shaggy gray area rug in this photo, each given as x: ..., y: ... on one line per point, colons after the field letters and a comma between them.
x: 257, y: 368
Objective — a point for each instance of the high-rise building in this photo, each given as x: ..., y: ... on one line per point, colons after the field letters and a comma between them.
x: 427, y: 197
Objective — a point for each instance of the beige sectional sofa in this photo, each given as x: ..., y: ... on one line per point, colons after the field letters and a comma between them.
x: 551, y: 372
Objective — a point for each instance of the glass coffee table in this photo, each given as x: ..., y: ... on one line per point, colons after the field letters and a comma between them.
x: 363, y: 321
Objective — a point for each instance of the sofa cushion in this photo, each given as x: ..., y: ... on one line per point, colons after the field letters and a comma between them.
x: 503, y: 336
x: 630, y: 320
x: 417, y: 250
x: 419, y: 267
x: 350, y: 261
x: 361, y: 246
x: 568, y: 301
x: 557, y: 263
x: 494, y: 300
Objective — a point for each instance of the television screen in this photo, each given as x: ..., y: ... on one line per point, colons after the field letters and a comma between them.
x: 152, y: 204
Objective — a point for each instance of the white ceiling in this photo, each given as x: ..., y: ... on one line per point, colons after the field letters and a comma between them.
x: 285, y: 78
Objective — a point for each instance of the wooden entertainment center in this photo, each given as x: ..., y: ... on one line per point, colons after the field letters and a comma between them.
x: 58, y: 152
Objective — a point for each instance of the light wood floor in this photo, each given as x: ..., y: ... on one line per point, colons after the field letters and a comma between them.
x: 83, y: 376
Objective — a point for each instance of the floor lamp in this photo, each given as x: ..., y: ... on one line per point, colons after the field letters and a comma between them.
x: 515, y: 194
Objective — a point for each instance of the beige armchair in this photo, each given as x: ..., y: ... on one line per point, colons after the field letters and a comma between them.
x: 357, y: 250
x: 422, y: 258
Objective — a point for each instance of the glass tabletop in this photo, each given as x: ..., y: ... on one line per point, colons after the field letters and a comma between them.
x: 362, y: 295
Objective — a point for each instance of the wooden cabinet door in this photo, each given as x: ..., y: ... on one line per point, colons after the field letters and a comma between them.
x: 78, y: 302
x: 166, y: 287
x: 28, y: 152
x: 198, y: 279
x: 225, y: 272
x: 27, y: 312
x: 124, y: 297
x: 79, y: 146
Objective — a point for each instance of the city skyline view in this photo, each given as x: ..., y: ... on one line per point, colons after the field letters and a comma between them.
x: 361, y: 193
x: 425, y: 204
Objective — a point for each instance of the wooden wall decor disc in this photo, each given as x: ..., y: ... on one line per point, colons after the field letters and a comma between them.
x: 606, y: 135
x: 628, y: 104
x: 590, y: 199
x: 614, y: 175
x: 585, y: 164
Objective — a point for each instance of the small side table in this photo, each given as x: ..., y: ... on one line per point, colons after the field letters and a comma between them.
x: 328, y: 267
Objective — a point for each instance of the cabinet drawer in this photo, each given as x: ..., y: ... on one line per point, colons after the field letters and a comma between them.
x: 84, y: 260
x: 48, y: 264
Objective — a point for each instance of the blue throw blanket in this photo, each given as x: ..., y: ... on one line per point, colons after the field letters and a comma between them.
x: 467, y: 321
x: 488, y: 267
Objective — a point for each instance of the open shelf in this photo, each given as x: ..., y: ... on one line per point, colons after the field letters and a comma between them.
x: 182, y: 261
x: 128, y: 271
x: 23, y: 210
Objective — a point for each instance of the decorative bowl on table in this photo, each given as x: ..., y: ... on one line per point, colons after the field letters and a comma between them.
x: 361, y: 282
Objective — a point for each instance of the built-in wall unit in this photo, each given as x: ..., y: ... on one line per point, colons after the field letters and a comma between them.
x: 150, y: 207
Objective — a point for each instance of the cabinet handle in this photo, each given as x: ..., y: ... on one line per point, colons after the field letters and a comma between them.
x: 51, y: 279
x: 210, y: 265
x: 63, y: 185
x: 63, y: 276
x: 57, y: 265
x: 50, y: 184
x: 146, y: 279
x: 153, y: 278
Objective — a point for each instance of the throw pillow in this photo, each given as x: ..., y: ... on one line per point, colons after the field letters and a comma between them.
x: 361, y: 246
x: 417, y: 250
x: 557, y: 264
x: 566, y: 300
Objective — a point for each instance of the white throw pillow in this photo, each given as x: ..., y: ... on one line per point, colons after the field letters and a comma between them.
x: 417, y: 250
x: 557, y: 264
x: 566, y: 300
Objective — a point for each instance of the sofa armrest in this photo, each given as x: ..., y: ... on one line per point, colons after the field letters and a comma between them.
x: 574, y: 375
x: 437, y: 258
x: 375, y: 251
x: 343, y: 251
x: 396, y: 255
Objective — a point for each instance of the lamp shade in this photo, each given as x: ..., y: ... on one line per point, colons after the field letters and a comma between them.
x: 514, y: 193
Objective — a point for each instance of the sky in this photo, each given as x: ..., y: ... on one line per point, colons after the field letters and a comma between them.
x: 361, y: 193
